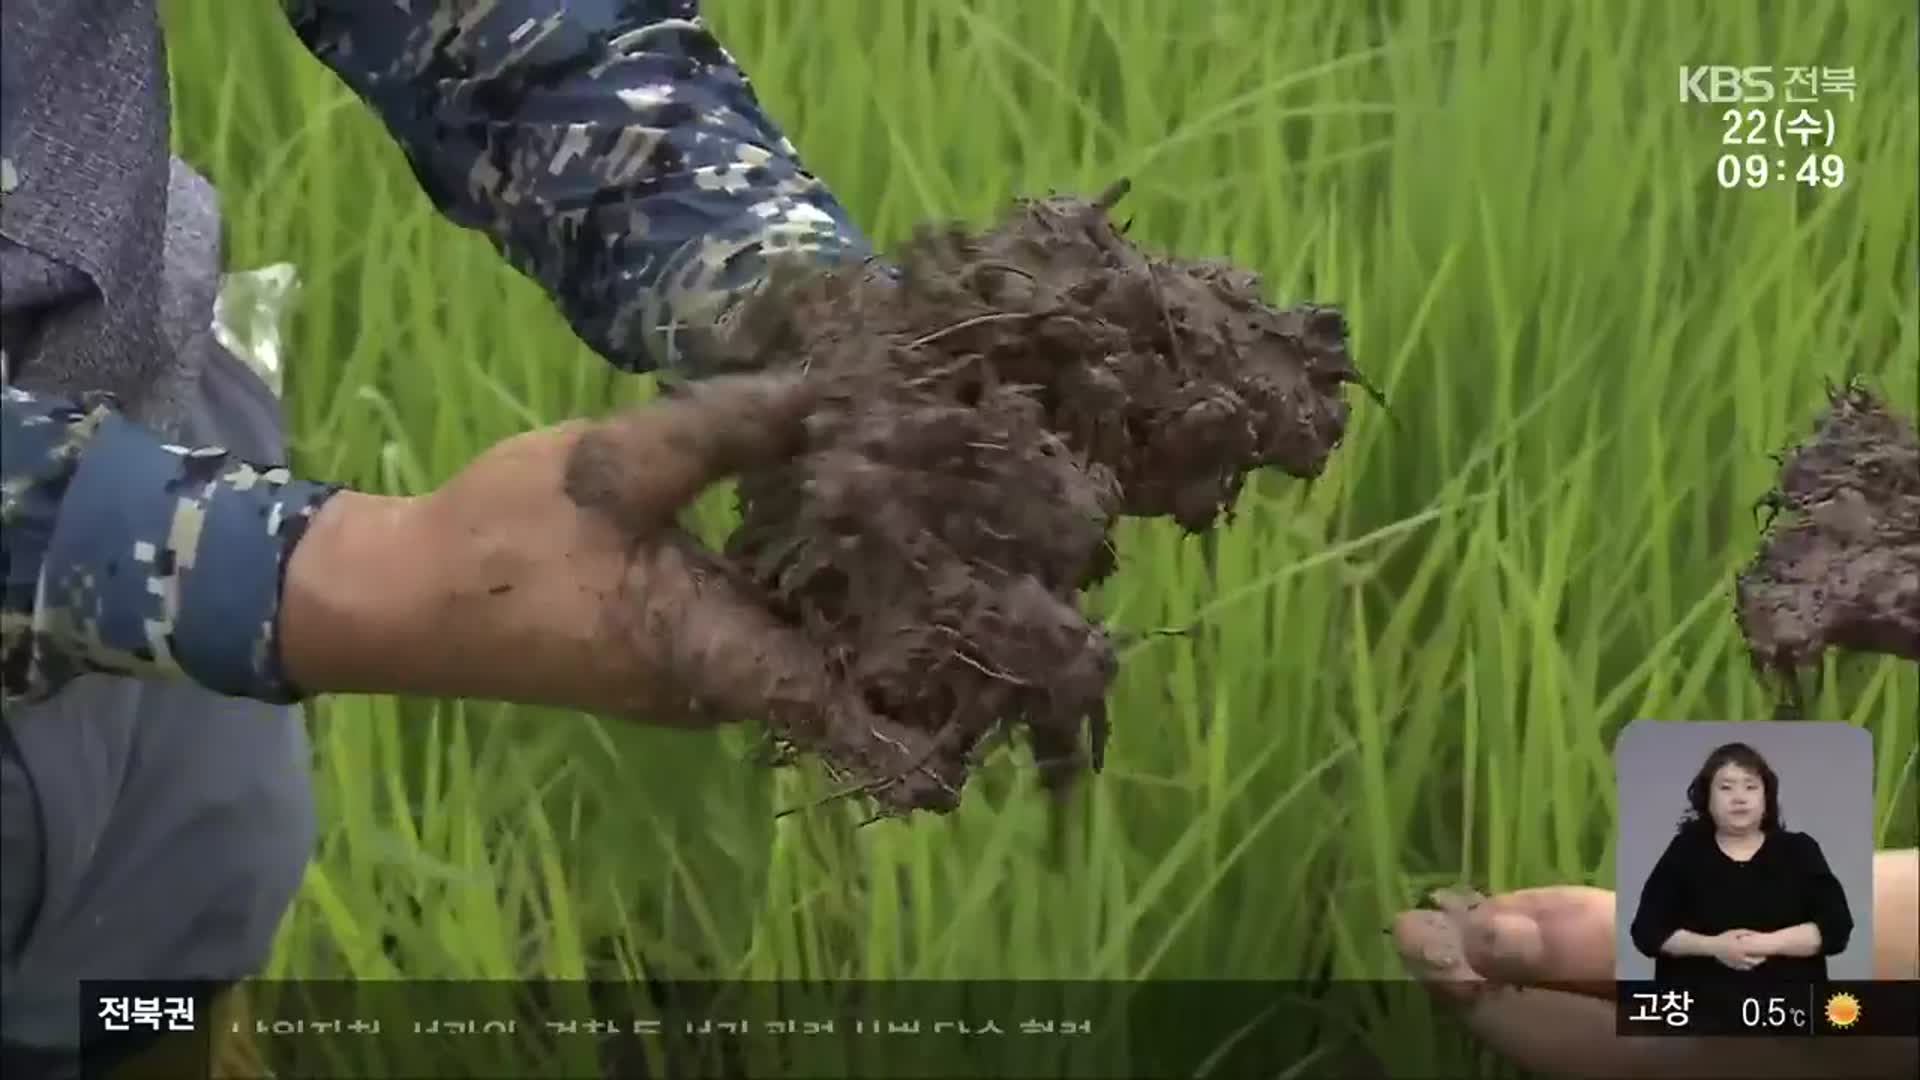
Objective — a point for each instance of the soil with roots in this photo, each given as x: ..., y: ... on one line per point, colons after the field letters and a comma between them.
x: 991, y: 402
x: 985, y: 406
x: 1840, y: 565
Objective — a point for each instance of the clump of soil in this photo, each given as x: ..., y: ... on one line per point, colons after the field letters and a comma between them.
x: 1840, y: 566
x: 990, y: 406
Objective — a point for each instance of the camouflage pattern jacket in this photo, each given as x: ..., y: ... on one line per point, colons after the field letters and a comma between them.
x: 610, y: 149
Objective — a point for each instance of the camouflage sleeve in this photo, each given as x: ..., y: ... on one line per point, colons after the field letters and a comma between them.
x: 126, y: 556
x: 614, y: 152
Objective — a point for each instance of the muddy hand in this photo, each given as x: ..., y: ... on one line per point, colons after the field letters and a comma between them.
x: 1531, y: 973
x: 547, y: 572
x: 708, y: 648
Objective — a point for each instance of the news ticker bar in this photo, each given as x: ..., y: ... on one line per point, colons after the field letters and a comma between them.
x: 1756, y: 1007
x: 903, y: 1030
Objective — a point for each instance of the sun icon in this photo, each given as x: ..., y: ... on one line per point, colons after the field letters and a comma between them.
x: 1843, y: 1010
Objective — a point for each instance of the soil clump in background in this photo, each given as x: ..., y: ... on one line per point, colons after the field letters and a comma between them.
x: 1840, y: 565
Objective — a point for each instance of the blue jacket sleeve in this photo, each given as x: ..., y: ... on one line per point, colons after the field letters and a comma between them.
x: 612, y: 151
x: 123, y: 555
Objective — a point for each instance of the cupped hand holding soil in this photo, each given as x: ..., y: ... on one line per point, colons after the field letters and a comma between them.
x: 547, y: 571
x: 982, y: 414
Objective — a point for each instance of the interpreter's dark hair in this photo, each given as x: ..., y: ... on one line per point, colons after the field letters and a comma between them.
x: 1700, y: 791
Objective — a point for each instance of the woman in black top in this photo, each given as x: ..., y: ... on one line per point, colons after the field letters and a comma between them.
x: 1736, y: 895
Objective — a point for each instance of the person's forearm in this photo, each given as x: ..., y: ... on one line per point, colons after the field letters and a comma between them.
x: 1896, y: 914
x: 614, y: 153
x: 1687, y: 943
x: 1802, y: 939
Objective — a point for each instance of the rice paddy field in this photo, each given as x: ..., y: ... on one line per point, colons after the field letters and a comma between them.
x: 1406, y: 674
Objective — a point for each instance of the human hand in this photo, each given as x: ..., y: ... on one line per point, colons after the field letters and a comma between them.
x: 501, y: 585
x: 1532, y: 974
x: 1741, y: 950
x: 549, y: 571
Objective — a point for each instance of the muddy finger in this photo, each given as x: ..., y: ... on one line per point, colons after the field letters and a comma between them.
x: 1561, y: 934
x: 642, y: 466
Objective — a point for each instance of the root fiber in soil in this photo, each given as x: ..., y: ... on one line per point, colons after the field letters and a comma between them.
x: 1840, y: 565
x: 991, y: 403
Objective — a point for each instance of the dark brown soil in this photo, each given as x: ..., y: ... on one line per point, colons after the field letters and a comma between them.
x: 1840, y: 566
x: 988, y: 413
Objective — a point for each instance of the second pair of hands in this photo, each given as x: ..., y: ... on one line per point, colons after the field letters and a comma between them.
x: 1530, y: 973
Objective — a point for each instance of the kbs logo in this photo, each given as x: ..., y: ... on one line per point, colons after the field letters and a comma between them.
x: 1725, y: 85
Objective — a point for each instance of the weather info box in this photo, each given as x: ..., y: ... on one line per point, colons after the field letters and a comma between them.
x: 1744, y: 1007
